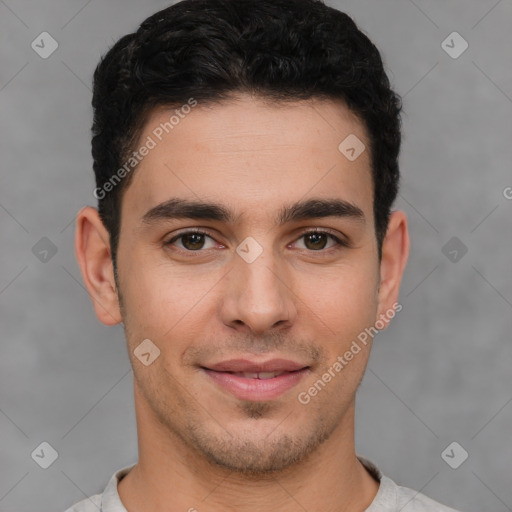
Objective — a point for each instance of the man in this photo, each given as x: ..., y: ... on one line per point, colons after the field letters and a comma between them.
x: 246, y: 161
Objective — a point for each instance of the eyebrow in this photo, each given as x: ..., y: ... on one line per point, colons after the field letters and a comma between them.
x: 302, y: 210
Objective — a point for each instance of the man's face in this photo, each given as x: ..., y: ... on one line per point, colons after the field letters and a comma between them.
x: 286, y: 294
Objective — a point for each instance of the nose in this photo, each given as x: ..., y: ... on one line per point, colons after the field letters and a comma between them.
x: 258, y: 296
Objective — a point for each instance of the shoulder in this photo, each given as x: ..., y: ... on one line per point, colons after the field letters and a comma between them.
x: 409, y: 500
x: 392, y: 497
x: 109, y: 500
x: 412, y: 501
x: 91, y: 504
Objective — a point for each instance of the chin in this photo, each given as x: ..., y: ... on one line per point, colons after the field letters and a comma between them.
x: 245, y: 455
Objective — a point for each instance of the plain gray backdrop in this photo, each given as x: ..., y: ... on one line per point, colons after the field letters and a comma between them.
x: 440, y: 374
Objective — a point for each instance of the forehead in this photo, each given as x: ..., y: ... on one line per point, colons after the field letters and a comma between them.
x: 251, y: 155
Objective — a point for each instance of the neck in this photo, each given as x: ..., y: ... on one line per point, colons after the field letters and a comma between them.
x: 170, y: 476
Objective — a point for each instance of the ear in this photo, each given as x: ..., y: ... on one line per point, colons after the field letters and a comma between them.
x: 395, y: 251
x: 92, y: 249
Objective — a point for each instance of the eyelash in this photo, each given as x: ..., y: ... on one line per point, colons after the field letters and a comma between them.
x: 339, y: 242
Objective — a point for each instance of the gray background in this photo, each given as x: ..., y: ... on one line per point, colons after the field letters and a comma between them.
x: 441, y: 373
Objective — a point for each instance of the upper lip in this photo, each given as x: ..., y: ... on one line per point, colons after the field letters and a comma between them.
x: 244, y: 365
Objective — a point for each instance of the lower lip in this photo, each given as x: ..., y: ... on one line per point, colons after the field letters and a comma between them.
x: 256, y: 389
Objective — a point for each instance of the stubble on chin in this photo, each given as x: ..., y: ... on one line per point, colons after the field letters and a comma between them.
x: 258, y: 458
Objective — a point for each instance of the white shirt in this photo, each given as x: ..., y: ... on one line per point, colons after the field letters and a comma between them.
x: 389, y: 498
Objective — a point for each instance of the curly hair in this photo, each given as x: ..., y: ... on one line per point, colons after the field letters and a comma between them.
x: 281, y: 50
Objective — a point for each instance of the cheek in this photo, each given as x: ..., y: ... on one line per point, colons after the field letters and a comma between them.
x: 159, y: 299
x: 162, y: 300
x: 344, y: 299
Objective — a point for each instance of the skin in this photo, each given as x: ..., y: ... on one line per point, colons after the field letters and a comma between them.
x: 199, y: 446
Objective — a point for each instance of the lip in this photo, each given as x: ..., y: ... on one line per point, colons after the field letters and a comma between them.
x: 255, y: 389
x: 245, y: 365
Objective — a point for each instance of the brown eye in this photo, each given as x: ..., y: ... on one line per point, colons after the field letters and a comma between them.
x: 319, y: 240
x: 316, y: 241
x: 192, y: 241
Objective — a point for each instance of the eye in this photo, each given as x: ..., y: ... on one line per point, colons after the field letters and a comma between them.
x: 317, y: 240
x: 192, y: 241
x: 314, y: 240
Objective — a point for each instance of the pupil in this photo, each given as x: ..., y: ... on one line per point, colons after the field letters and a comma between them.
x: 193, y: 241
x: 315, y: 238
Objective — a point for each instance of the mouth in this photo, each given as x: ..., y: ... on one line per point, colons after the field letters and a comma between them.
x: 247, y: 380
x: 258, y: 375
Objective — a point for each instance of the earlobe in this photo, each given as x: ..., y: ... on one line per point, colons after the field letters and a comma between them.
x: 395, y: 251
x: 92, y: 249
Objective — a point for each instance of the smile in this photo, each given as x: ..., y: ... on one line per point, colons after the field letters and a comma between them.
x: 256, y: 386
